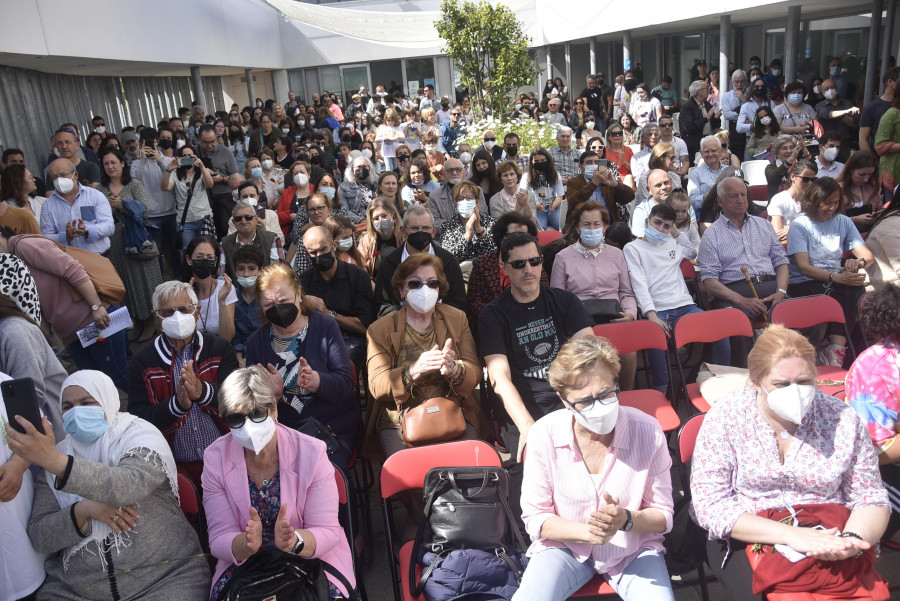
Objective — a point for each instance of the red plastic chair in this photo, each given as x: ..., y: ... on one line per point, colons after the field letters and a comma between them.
x: 406, y: 470
x: 632, y: 336
x: 693, y: 282
x: 687, y: 439
x: 345, y: 498
x: 705, y: 327
x: 189, y: 501
x: 809, y: 311
x: 547, y: 236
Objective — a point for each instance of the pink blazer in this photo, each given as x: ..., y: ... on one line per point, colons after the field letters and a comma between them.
x: 307, y: 488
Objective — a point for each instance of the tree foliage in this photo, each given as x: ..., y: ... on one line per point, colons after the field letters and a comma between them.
x: 488, y: 44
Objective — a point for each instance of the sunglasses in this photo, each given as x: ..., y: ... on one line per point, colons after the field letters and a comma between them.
x: 402, y: 157
x: 186, y: 309
x: 615, y: 134
x: 454, y: 114
x: 808, y: 179
x: 520, y: 263
x: 669, y: 124
x: 490, y: 139
x: 257, y: 415
x: 434, y: 284
x: 578, y: 103
x: 239, y: 218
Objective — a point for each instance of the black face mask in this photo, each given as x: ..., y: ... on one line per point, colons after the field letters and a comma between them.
x: 540, y: 166
x: 203, y: 268
x: 512, y: 151
x: 481, y: 171
x: 324, y: 262
x: 282, y: 315
x: 759, y: 92
x: 303, y: 157
x: 419, y: 240
x: 345, y: 138
x: 316, y: 160
x: 362, y: 174
x: 165, y: 144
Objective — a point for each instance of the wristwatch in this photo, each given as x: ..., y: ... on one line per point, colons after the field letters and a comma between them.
x: 628, y: 522
x: 298, y: 548
x: 95, y: 307
x: 333, y: 314
x: 781, y: 290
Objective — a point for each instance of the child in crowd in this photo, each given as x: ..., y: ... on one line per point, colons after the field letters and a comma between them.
x: 248, y: 260
x: 681, y: 202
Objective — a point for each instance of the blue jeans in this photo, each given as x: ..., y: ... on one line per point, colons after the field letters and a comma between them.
x: 109, y: 356
x: 189, y: 231
x: 548, y: 219
x: 165, y: 234
x: 721, y: 349
x: 555, y: 574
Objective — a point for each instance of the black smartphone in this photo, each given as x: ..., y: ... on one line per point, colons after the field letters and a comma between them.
x: 603, y: 163
x: 186, y: 161
x: 21, y: 399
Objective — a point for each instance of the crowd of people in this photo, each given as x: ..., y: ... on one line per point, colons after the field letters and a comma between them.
x: 278, y: 258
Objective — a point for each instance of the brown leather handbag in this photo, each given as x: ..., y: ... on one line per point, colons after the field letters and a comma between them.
x: 438, y: 419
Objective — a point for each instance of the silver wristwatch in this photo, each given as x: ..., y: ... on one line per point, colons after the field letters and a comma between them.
x: 781, y: 290
x: 95, y: 307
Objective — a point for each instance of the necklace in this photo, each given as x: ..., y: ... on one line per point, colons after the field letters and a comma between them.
x: 258, y: 476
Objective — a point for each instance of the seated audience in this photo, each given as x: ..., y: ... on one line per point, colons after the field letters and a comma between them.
x: 417, y: 183
x: 807, y: 446
x: 358, y: 188
x: 619, y: 530
x: 704, y: 176
x: 248, y: 261
x: 859, y: 181
x: 816, y: 245
x: 466, y: 237
x: 306, y: 355
x: 542, y: 179
x: 826, y: 161
x: 383, y: 234
x: 763, y: 133
x: 596, y: 184
x: 267, y: 487
x: 343, y: 231
x: 510, y: 197
x: 250, y: 232
x: 249, y: 193
x: 786, y: 149
x: 440, y: 200
x: 216, y: 294
x: 661, y: 157
x: 106, y: 502
x: 784, y: 207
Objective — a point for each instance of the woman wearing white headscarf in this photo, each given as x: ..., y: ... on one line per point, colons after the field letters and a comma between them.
x: 106, y: 505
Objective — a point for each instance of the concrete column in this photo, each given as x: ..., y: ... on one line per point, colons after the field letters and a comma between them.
x: 569, y: 71
x: 251, y: 86
x: 593, y: 56
x: 874, y: 39
x: 612, y: 71
x: 280, y: 85
x: 703, y: 46
x: 197, y: 88
x: 886, y: 41
x: 660, y: 58
x: 626, y: 51
x: 724, y: 45
x: 791, y: 44
x: 549, y: 74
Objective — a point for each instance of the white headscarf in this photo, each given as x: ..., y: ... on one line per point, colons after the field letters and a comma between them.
x: 125, y: 435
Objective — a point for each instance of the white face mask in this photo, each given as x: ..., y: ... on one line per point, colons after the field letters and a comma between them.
x: 791, y: 402
x: 179, y: 326
x: 489, y: 144
x: 301, y: 179
x: 64, y: 185
x: 589, y: 125
x: 253, y: 436
x: 766, y: 120
x: 100, y: 129
x: 465, y: 208
x: 422, y: 300
x: 367, y: 153
x: 817, y: 89
x: 250, y: 201
x: 247, y: 281
x: 267, y: 164
x: 829, y: 154
x: 345, y: 245
x: 285, y: 130
x: 180, y: 143
x: 599, y: 419
x: 301, y: 122
x: 831, y: 93
x: 465, y: 157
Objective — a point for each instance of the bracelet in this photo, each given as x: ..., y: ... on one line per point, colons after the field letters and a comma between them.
x: 830, y: 276
x: 853, y: 535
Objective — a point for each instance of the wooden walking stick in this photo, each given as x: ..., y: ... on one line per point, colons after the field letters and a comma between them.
x: 746, y: 273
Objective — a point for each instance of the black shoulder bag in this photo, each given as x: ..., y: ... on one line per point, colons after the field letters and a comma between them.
x: 279, y: 575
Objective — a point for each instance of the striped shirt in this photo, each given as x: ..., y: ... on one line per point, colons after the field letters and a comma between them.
x: 724, y: 249
x: 557, y: 483
x: 199, y: 430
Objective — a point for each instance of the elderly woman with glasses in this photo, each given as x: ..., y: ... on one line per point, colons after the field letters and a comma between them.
x: 422, y: 351
x: 467, y: 236
x: 597, y: 491
x: 269, y: 488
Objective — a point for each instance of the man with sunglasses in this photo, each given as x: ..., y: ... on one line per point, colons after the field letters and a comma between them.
x: 450, y: 131
x: 489, y: 143
x: 520, y: 333
x: 174, y: 382
x: 419, y: 231
x: 667, y: 135
x: 249, y: 231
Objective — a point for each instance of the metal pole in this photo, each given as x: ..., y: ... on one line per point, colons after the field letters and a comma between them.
x: 724, y: 45
x: 568, y: 69
x: 791, y: 44
x: 703, y: 46
x: 626, y: 50
x: 871, y: 62
x: 197, y: 87
x: 251, y: 87
x: 888, y: 36
x: 593, y: 56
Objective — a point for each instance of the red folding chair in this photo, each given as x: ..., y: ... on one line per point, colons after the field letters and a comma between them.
x: 406, y: 470
x: 705, y: 327
x: 189, y: 501
x: 633, y: 336
x: 545, y: 237
x: 807, y: 312
x: 693, y: 282
x: 687, y: 439
x: 345, y: 498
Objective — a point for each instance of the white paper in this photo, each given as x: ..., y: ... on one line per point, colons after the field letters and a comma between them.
x: 118, y: 321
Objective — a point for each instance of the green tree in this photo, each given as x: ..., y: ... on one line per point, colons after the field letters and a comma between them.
x: 490, y: 50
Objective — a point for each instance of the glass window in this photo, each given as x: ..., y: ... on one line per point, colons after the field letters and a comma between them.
x: 419, y: 73
x: 295, y: 83
x: 331, y: 79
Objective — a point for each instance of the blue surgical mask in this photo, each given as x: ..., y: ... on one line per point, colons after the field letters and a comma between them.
x: 589, y: 171
x: 329, y: 192
x: 85, y: 423
x: 795, y: 98
x: 835, y: 70
x: 591, y: 238
x: 654, y: 236
x: 247, y: 281
x: 256, y: 172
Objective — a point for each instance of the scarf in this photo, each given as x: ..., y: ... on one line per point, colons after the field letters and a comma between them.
x: 124, y: 437
x: 17, y: 283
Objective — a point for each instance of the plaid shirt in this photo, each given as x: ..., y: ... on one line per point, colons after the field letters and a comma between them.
x: 200, y: 430
x: 724, y: 249
x: 566, y: 162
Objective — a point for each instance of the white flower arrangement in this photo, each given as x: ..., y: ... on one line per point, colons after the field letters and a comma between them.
x: 531, y: 133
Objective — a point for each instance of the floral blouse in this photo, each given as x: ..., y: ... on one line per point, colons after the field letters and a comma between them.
x: 873, y: 390
x: 453, y: 238
x: 736, y: 468
x: 273, y: 185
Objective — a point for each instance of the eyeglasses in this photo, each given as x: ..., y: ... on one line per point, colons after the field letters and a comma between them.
x: 257, y: 415
x: 454, y: 169
x: 577, y: 102
x: 239, y: 218
x: 490, y: 139
x: 520, y: 263
x: 615, y: 134
x: 416, y: 284
x: 669, y: 124
x: 807, y: 178
x: 454, y: 114
x: 316, y: 209
x: 186, y: 309
x: 586, y: 404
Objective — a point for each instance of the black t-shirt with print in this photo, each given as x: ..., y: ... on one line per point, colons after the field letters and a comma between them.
x: 531, y: 335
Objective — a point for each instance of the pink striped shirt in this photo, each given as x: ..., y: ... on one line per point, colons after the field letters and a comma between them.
x: 557, y: 483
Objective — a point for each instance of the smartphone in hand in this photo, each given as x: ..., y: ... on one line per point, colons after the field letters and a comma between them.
x: 20, y: 398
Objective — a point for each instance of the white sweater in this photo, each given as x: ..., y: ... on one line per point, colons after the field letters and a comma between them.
x: 656, y: 273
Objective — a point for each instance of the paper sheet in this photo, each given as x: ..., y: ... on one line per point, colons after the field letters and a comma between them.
x: 118, y: 321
